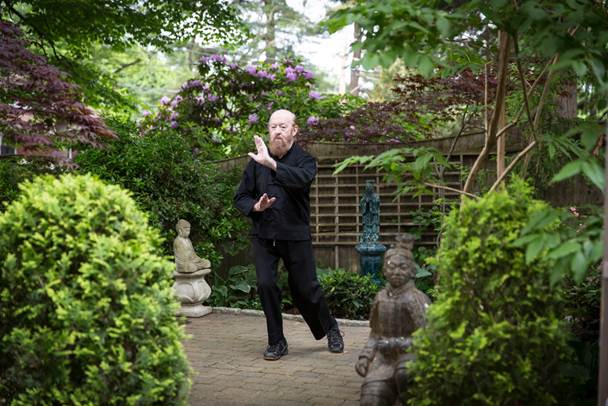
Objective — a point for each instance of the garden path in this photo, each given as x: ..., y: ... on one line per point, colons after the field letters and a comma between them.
x: 225, y: 352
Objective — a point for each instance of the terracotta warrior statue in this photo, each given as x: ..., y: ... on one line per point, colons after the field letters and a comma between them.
x: 186, y: 259
x: 398, y: 310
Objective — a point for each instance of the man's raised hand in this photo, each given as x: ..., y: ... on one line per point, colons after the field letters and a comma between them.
x: 263, y: 203
x: 262, y: 157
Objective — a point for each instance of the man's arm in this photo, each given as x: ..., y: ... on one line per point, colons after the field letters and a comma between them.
x: 244, y: 198
x: 299, y: 176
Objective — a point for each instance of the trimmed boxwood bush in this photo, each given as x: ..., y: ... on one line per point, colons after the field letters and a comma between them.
x: 348, y: 294
x: 494, y: 335
x: 86, y: 304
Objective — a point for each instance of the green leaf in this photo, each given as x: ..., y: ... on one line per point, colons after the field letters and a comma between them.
x: 579, y: 266
x: 594, y: 172
x: 567, y: 248
x: 443, y: 25
x: 533, y: 249
x: 241, y: 286
x: 426, y: 65
x: 571, y: 169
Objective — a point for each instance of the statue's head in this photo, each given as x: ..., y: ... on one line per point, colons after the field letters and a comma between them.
x: 399, y: 266
x: 183, y: 228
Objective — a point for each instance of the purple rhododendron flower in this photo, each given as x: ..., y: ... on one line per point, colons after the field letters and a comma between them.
x: 253, y: 118
x: 312, y: 120
x: 176, y: 101
x: 269, y: 106
x: 174, y: 116
x: 299, y: 68
x: 164, y: 100
x: 272, y: 76
x: 233, y: 66
x: 145, y: 113
x: 308, y: 74
x: 289, y: 69
x: 213, y: 98
x: 314, y: 95
x: 274, y: 66
x: 204, y: 59
x: 200, y: 99
x: 251, y: 70
x: 262, y: 74
x: 291, y: 76
x: 218, y: 58
x: 174, y: 124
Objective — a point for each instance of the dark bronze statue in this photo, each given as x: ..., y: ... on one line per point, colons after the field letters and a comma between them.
x: 398, y: 310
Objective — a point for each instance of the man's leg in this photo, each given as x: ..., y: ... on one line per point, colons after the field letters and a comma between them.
x: 266, y: 262
x: 304, y: 285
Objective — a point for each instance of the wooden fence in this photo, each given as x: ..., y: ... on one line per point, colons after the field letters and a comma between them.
x: 336, y: 217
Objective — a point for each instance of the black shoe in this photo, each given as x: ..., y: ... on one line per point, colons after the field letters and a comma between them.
x: 335, y: 343
x: 275, y: 351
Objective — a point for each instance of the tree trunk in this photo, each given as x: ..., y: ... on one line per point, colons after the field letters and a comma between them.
x: 353, y: 87
x: 602, y: 395
x: 566, y: 100
x: 270, y: 34
x: 504, y: 45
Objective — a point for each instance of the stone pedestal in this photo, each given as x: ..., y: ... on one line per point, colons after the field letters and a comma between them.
x: 192, y: 290
x: 371, y: 256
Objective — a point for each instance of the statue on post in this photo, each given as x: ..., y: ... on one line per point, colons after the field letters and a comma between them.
x: 190, y: 286
x: 398, y: 310
x: 369, y: 248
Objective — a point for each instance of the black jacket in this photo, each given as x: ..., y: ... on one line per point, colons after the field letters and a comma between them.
x: 289, y: 217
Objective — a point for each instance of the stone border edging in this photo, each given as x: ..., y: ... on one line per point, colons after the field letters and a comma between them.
x: 294, y: 317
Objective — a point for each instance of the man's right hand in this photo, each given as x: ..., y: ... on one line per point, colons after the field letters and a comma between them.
x: 263, y: 203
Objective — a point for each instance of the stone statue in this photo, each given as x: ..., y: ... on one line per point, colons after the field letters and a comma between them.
x: 186, y: 259
x: 190, y: 286
x: 369, y: 248
x: 398, y: 310
x: 370, y: 214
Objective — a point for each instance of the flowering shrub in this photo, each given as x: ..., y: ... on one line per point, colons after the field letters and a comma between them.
x: 219, y: 112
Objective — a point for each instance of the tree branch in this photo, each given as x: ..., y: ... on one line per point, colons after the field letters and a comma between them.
x: 523, y: 85
x: 126, y: 65
x: 451, y: 189
x: 503, y: 60
x: 512, y: 164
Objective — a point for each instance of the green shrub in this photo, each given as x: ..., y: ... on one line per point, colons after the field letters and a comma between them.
x: 494, y: 335
x: 348, y: 294
x: 169, y: 183
x: 86, y: 303
x: 237, y: 290
x: 16, y: 169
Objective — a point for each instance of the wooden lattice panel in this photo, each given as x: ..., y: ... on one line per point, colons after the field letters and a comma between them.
x: 335, y: 215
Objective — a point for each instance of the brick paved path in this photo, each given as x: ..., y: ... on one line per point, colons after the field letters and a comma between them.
x: 225, y: 351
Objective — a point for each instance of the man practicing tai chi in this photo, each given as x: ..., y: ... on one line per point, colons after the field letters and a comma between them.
x: 274, y: 193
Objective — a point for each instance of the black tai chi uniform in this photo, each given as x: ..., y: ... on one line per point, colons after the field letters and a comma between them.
x: 283, y: 232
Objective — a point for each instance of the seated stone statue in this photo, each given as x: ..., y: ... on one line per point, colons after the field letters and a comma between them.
x: 398, y: 310
x: 186, y: 259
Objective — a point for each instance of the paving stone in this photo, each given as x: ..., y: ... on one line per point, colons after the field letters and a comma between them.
x: 225, y: 353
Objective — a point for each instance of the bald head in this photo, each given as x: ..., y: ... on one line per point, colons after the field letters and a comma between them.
x: 283, y: 115
x: 282, y: 129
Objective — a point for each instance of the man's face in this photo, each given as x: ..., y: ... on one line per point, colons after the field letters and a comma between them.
x: 282, y: 131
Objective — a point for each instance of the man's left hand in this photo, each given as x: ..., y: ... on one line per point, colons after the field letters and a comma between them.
x: 263, y: 157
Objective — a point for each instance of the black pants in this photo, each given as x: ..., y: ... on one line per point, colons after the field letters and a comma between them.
x: 303, y: 284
